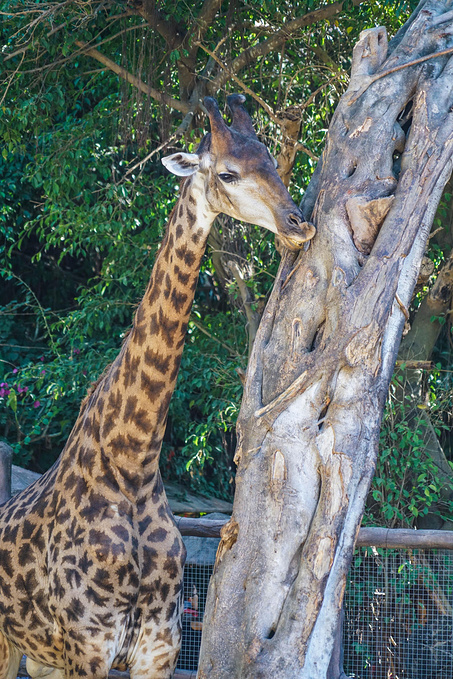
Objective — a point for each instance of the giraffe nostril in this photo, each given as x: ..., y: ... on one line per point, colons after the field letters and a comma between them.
x: 298, y: 230
x: 295, y: 220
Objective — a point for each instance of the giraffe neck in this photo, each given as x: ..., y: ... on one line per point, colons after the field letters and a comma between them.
x: 128, y: 410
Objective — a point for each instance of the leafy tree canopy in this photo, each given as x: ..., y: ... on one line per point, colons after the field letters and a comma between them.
x: 92, y: 94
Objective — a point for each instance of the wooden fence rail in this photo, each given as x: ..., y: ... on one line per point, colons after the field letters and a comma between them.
x: 368, y: 537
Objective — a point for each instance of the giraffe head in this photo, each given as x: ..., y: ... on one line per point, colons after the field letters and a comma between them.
x: 240, y: 178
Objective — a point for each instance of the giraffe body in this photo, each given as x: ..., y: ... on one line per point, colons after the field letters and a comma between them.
x: 91, y: 562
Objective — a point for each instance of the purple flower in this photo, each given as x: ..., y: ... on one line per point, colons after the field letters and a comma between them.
x: 22, y: 390
x: 43, y: 372
x: 36, y: 404
x: 4, y: 392
x: 42, y: 359
x: 15, y: 371
x: 76, y: 351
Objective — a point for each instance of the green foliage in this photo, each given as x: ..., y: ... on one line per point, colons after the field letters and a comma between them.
x: 40, y: 400
x: 80, y: 219
x: 209, y: 390
x: 408, y: 482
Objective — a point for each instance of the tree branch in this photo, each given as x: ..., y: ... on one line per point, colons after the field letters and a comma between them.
x: 202, y: 329
x: 132, y: 79
x: 419, y: 343
x: 202, y: 23
x: 169, y: 30
x: 324, y: 57
x: 287, y: 31
x: 400, y: 67
x: 150, y: 155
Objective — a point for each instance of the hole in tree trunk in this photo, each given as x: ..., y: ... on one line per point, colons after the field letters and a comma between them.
x: 317, y: 337
x: 322, y: 417
x: 405, y: 118
x: 406, y: 115
x: 396, y: 166
x: 352, y: 168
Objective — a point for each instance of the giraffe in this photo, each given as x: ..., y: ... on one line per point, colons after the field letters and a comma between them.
x: 91, y: 561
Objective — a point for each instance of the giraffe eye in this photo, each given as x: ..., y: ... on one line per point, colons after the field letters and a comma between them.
x: 227, y: 177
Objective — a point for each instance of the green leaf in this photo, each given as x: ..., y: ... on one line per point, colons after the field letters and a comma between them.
x: 11, y: 401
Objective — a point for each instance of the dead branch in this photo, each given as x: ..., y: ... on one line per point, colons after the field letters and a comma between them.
x: 395, y: 69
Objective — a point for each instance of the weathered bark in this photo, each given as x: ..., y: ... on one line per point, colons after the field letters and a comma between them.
x: 322, y: 361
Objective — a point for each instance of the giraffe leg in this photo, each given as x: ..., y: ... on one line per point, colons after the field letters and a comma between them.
x: 38, y: 671
x: 9, y: 659
x: 82, y: 669
x: 85, y: 657
x: 157, y: 652
x: 160, y: 666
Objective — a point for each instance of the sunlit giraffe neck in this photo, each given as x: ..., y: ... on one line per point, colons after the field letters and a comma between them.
x: 129, y: 406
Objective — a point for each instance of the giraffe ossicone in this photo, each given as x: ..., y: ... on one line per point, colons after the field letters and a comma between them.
x: 91, y: 562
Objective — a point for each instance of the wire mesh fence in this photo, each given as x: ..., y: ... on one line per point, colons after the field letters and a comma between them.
x: 398, y: 614
x: 196, y: 580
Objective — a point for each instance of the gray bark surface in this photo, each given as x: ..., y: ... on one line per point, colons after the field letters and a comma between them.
x: 6, y: 453
x: 322, y: 361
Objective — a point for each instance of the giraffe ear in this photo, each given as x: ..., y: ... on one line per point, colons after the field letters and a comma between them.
x: 182, y: 164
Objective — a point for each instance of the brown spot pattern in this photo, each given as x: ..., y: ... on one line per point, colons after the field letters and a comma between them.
x: 92, y: 546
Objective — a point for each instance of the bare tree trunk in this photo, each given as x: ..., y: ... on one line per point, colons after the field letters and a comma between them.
x: 420, y: 341
x: 322, y: 361
x: 6, y: 456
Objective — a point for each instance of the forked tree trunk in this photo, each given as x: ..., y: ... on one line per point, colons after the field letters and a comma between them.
x: 322, y: 362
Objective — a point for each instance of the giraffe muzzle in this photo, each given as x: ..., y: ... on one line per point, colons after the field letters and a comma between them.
x: 296, y: 231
